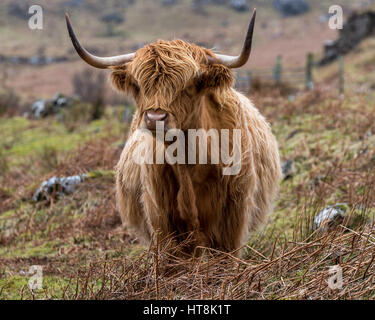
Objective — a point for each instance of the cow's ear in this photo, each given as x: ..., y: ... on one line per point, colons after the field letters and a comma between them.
x: 123, y: 81
x: 215, y: 77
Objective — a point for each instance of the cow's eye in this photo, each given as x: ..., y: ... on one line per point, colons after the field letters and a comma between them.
x: 191, y: 90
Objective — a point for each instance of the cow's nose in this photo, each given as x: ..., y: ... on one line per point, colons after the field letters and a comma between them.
x: 152, y: 116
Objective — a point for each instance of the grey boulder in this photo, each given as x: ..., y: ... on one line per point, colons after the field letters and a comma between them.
x: 291, y: 7
x: 56, y: 187
x: 331, y: 216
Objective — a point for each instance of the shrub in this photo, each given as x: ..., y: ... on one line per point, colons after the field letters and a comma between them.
x: 76, y: 115
x: 9, y: 103
x: 91, y: 88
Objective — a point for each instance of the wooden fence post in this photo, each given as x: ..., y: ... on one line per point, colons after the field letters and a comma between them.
x: 309, y: 71
x: 341, y: 75
x: 278, y: 69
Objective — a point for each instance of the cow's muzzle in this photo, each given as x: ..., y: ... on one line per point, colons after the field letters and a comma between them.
x: 152, y: 116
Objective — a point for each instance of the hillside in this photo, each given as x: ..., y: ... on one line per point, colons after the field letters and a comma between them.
x: 219, y: 27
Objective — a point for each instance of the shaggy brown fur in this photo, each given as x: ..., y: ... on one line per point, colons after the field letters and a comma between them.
x: 179, y: 199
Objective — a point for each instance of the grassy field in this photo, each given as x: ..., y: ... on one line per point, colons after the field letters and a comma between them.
x: 87, y: 254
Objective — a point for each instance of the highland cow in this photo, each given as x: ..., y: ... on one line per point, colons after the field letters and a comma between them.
x: 184, y: 86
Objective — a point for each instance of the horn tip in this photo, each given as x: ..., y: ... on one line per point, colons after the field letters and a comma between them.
x: 67, y: 19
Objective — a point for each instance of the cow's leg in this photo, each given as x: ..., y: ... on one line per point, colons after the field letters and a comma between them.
x: 235, y: 215
x: 129, y: 191
x: 169, y: 202
x: 233, y: 225
x: 247, y: 207
x: 158, y: 198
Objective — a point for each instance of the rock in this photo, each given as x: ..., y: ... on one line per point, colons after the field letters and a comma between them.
x: 287, y: 168
x: 38, y: 60
x: 113, y: 17
x: 73, y: 3
x: 219, y: 2
x: 39, y: 109
x: 168, y: 3
x: 331, y: 52
x: 18, y: 10
x: 42, y: 61
x: 43, y: 108
x: 331, y: 216
x: 291, y: 7
x: 60, y: 101
x: 357, y: 28
x: 57, y: 187
x: 239, y: 5
x: 17, y: 60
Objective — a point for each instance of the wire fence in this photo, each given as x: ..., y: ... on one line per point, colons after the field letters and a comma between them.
x: 298, y: 77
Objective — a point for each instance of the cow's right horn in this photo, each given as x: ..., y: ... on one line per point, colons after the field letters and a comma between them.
x: 97, y: 62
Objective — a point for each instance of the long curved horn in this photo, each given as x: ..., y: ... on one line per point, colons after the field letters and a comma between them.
x: 238, y: 61
x: 97, y: 62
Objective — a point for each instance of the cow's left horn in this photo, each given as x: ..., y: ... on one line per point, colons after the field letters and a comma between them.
x: 238, y: 61
x: 97, y: 62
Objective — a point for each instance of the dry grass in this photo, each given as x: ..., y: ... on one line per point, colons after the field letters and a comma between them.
x: 86, y: 254
x: 293, y: 270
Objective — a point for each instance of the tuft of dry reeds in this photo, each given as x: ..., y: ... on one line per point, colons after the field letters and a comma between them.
x: 294, y: 270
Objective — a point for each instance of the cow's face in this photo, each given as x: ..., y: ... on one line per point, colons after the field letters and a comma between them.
x: 168, y: 80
